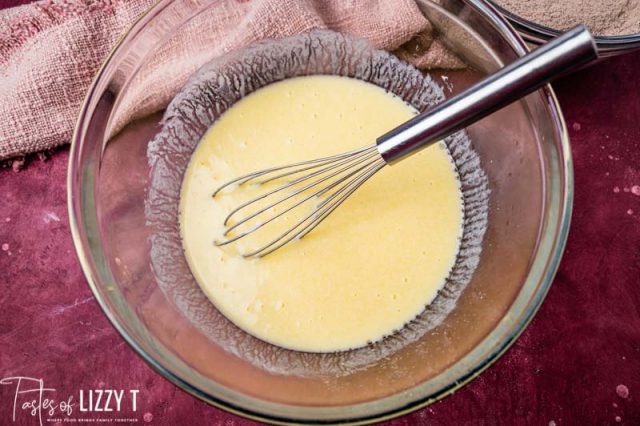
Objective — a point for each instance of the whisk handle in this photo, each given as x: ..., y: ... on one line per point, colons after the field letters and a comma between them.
x: 565, y: 53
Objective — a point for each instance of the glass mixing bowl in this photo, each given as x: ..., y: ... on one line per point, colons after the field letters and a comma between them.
x: 536, y: 33
x: 524, y: 150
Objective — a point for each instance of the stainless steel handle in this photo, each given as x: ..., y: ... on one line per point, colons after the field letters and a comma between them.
x: 566, y: 53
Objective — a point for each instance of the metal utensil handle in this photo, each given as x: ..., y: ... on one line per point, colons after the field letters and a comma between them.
x: 565, y: 53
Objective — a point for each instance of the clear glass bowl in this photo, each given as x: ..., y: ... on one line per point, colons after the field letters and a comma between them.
x: 524, y: 150
x: 536, y: 33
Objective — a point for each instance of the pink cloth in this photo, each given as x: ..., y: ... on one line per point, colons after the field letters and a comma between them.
x: 50, y: 50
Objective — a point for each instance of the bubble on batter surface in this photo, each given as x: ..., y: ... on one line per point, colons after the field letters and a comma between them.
x: 213, y: 90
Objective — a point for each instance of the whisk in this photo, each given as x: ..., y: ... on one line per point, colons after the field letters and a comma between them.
x: 311, y: 190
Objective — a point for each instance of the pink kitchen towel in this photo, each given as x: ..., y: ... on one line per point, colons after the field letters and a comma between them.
x: 50, y: 50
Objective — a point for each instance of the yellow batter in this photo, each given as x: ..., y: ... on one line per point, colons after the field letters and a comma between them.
x: 368, y: 269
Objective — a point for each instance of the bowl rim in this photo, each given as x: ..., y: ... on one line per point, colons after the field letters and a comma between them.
x: 548, y: 265
x: 537, y: 33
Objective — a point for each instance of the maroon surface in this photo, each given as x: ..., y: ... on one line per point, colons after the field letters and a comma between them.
x: 11, y: 3
x: 577, y: 363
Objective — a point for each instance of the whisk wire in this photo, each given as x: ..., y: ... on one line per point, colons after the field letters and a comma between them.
x: 241, y: 180
x: 319, y: 214
x: 371, y: 171
x: 343, y: 160
x: 350, y: 163
x: 342, y: 174
x: 272, y: 205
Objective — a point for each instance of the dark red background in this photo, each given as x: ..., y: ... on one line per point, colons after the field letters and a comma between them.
x: 572, y: 365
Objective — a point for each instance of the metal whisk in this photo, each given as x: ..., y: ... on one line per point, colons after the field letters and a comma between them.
x: 313, y: 189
